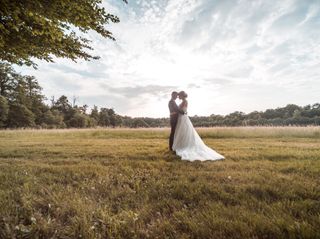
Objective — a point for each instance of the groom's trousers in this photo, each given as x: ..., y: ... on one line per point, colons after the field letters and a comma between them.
x: 173, y: 124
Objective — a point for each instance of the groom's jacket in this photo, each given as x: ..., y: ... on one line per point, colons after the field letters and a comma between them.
x: 174, y: 109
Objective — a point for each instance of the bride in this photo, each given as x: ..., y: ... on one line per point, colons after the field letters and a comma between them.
x: 187, y: 143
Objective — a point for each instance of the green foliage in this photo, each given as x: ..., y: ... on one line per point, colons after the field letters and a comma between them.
x: 79, y: 120
x: 52, y: 119
x: 6, y: 79
x: 23, y: 96
x: 91, y: 122
x: 95, y: 113
x: 20, y: 116
x: 22, y: 105
x: 139, y: 123
x: 104, y: 118
x: 4, y: 109
x: 62, y: 105
x: 282, y: 116
x: 41, y: 29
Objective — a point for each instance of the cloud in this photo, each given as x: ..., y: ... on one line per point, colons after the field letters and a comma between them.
x: 133, y: 92
x: 130, y: 100
x: 216, y: 50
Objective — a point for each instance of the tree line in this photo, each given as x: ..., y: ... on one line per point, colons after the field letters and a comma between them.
x: 22, y: 105
x: 283, y: 116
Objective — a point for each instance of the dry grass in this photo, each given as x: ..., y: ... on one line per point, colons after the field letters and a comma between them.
x: 125, y: 184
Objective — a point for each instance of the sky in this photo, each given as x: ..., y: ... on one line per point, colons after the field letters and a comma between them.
x: 228, y: 55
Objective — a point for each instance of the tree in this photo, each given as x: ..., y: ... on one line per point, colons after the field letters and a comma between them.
x: 78, y: 120
x: 20, y: 116
x: 6, y: 79
x: 41, y: 28
x: 62, y: 105
x: 83, y: 109
x: 117, y: 120
x: 254, y: 115
x: 270, y: 114
x: 4, y: 109
x: 112, y: 117
x: 24, y: 90
x: 91, y: 122
x: 316, y: 106
x: 33, y: 89
x: 52, y: 119
x: 104, y: 119
x: 139, y: 123
x: 27, y: 91
x: 19, y: 92
x: 95, y: 113
x: 290, y: 109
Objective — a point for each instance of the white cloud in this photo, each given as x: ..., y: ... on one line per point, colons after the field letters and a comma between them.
x: 228, y: 55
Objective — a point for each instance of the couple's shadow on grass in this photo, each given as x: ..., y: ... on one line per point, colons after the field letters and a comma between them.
x: 170, y: 156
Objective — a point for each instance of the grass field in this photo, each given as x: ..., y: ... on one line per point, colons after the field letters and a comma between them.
x: 105, y: 183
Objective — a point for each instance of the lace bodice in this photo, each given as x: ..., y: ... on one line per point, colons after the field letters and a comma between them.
x: 184, y: 107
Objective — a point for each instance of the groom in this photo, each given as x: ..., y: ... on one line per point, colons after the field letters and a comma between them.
x: 174, y: 113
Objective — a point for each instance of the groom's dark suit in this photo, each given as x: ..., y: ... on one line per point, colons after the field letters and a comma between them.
x: 174, y: 114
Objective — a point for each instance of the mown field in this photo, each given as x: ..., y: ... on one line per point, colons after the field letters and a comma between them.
x: 104, y: 183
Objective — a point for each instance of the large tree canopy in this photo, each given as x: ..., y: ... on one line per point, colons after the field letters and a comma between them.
x: 43, y: 28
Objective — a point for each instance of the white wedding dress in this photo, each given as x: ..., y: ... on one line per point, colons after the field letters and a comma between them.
x: 187, y: 143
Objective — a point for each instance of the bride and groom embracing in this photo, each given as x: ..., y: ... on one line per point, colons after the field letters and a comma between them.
x: 184, y: 139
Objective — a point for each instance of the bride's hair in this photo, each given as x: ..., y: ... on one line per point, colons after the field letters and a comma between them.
x: 183, y: 94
